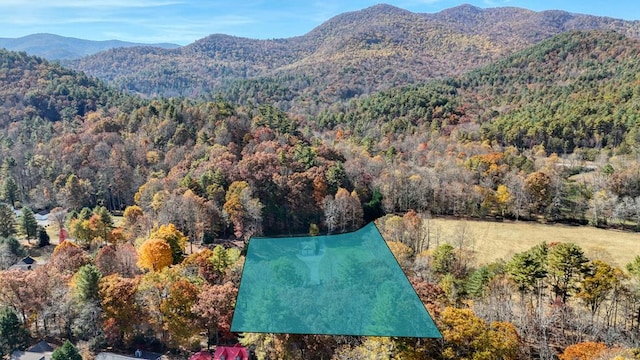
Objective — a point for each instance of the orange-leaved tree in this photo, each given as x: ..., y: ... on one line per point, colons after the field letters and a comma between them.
x: 174, y: 238
x: 155, y: 254
x: 583, y: 351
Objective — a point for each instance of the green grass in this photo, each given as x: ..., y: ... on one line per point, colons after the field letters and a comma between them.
x: 492, y: 241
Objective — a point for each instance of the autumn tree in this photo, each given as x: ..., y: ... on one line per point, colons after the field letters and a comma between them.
x: 538, y: 187
x: 343, y: 212
x: 214, y: 307
x: 58, y: 216
x: 444, y: 259
x: 81, y: 230
x: 242, y: 210
x: 467, y: 336
x: 117, y: 259
x: 598, y: 282
x: 414, y: 226
x: 155, y: 254
x: 68, y: 257
x: 75, y: 192
x: 133, y: 221
x: 583, y: 351
x: 178, y: 312
x: 503, y: 198
x: 370, y: 348
x: 402, y: 253
x: 101, y: 223
x: 118, y: 301
x: 174, y: 237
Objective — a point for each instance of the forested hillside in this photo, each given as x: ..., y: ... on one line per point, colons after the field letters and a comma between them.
x: 547, y: 134
x: 350, y: 55
x: 575, y: 90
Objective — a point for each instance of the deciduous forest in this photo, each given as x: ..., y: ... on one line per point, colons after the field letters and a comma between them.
x: 160, y: 196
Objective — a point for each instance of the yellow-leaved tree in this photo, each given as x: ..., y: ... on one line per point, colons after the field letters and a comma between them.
x: 172, y: 236
x: 155, y: 254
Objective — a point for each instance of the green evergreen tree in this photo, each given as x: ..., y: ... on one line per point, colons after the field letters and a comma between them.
x: 87, y: 281
x: 10, y: 191
x: 28, y: 224
x: 478, y: 281
x: 43, y: 237
x: 7, y: 220
x: 66, y: 352
x: 13, y: 335
x: 567, y: 266
x: 527, y: 270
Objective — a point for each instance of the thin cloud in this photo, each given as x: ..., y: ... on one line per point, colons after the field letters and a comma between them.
x: 89, y: 4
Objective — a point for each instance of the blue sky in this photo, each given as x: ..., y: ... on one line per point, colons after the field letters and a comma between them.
x: 184, y: 21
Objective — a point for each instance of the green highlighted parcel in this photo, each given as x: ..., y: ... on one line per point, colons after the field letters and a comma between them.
x: 346, y: 284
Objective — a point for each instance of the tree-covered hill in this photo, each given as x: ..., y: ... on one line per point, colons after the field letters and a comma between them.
x: 577, y: 89
x: 32, y: 88
x: 350, y: 55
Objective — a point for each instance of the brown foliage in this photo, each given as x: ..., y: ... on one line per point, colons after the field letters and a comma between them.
x: 583, y: 351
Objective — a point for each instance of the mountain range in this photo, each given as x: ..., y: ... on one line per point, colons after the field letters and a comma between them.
x: 55, y: 47
x: 352, y: 54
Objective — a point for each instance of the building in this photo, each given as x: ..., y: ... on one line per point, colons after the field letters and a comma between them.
x: 25, y: 264
x: 231, y: 353
x: 39, y: 351
x: 138, y: 354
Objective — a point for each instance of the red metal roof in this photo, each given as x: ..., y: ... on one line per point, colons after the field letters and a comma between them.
x: 201, y: 355
x: 231, y: 353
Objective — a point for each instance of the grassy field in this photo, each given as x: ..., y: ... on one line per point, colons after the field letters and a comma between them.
x: 501, y: 240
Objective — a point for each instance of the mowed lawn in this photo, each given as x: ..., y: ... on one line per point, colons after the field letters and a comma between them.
x: 501, y: 240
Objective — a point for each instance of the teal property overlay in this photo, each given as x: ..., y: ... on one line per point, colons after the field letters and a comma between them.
x: 346, y: 284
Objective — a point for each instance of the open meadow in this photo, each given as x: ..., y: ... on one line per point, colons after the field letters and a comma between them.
x: 492, y: 241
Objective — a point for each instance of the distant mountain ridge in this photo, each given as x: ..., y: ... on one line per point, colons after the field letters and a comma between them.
x: 55, y: 47
x: 352, y: 54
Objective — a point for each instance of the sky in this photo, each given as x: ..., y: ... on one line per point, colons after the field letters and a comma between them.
x: 184, y: 21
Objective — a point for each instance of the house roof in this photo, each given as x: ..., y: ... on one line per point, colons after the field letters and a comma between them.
x: 201, y: 355
x: 41, y: 347
x: 143, y: 355
x: 28, y: 260
x: 28, y: 355
x: 230, y: 353
x: 27, y: 263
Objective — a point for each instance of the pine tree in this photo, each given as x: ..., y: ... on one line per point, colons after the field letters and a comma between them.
x: 43, y: 237
x: 7, y: 221
x: 66, y: 352
x: 28, y: 224
x: 10, y: 191
x: 13, y: 335
x: 87, y: 283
